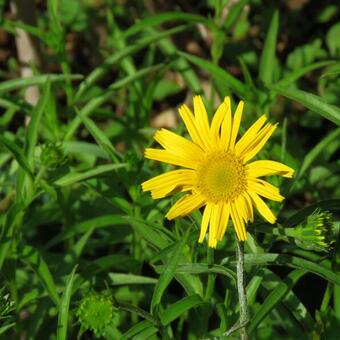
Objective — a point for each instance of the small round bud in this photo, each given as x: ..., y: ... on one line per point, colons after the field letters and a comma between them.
x: 96, y: 311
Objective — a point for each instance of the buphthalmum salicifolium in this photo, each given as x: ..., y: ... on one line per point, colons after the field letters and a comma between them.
x: 216, y: 171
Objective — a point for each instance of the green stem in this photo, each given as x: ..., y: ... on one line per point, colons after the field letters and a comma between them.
x: 242, y: 296
x: 211, y: 277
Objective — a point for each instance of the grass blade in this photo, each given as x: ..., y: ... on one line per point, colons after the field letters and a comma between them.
x: 63, y: 314
x: 73, y: 178
x: 168, y: 273
x: 200, y: 268
x: 311, y: 101
x: 32, y: 130
x: 100, y: 137
x: 94, y: 103
x: 294, y: 262
x: 17, y: 153
x: 178, y: 308
x: 118, y: 56
x: 33, y: 257
x: 275, y: 296
x: 118, y: 279
x: 267, y: 60
x: 295, y: 75
x: 237, y: 86
x: 314, y: 153
x: 15, y: 84
x: 159, y: 19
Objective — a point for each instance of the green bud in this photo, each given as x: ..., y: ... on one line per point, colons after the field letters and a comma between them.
x: 96, y: 311
x: 316, y: 233
x: 53, y: 156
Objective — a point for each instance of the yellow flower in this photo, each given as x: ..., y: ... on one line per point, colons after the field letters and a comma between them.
x: 216, y: 171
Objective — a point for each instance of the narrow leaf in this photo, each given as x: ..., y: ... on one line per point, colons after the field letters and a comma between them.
x: 72, y: 178
x: 275, y: 296
x: 311, y: 101
x: 63, y: 315
x: 236, y: 85
x: 168, y: 273
x: 15, y: 84
x: 175, y: 310
x: 17, y: 153
x: 267, y: 60
x: 33, y: 258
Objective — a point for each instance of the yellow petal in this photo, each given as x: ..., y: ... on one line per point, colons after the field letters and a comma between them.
x: 249, y: 206
x: 205, y: 222
x: 167, y: 157
x: 226, y: 125
x: 178, y: 145
x: 262, y: 207
x: 269, y: 168
x: 244, y: 211
x: 236, y: 124
x: 201, y: 119
x: 265, y: 189
x: 224, y: 221
x: 238, y: 222
x: 249, y: 135
x: 216, y: 123
x: 259, y: 141
x: 185, y: 206
x: 214, y: 224
x: 162, y: 185
x: 189, y: 121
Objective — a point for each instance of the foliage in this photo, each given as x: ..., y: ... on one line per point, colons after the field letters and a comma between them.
x: 73, y: 217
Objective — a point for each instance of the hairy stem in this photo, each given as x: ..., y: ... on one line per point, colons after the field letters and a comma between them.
x: 242, y: 296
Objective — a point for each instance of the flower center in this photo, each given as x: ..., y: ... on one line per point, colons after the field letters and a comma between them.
x: 221, y: 176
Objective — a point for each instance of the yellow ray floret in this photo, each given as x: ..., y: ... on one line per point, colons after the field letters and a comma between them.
x: 215, y: 171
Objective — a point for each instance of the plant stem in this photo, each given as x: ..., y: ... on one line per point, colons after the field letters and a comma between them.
x: 242, y: 296
x: 211, y: 277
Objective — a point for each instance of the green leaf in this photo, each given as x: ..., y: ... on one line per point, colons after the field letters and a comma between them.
x: 17, y: 153
x: 116, y: 57
x: 100, y: 137
x: 178, y: 308
x: 311, y: 101
x: 200, y: 268
x: 72, y: 178
x: 180, y: 65
x: 85, y: 226
x: 63, y: 314
x: 32, y: 130
x: 275, y: 296
x: 234, y: 13
x: 168, y: 273
x: 13, y: 217
x: 4, y: 329
x: 15, y: 84
x: 237, y: 86
x: 159, y: 19
x: 300, y: 72
x: 33, y: 258
x: 294, y: 262
x: 128, y: 279
x: 267, y: 60
x: 317, y: 150
x: 94, y: 103
x: 154, y: 235
x: 135, y: 330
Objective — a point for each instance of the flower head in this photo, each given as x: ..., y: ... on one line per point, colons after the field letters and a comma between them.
x: 216, y: 172
x: 316, y: 233
x: 96, y: 311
